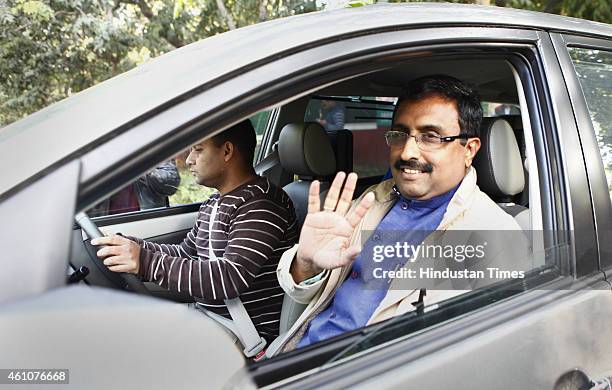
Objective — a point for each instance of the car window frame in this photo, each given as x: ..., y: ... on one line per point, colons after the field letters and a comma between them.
x: 541, y: 124
x: 598, y: 188
x: 545, y: 125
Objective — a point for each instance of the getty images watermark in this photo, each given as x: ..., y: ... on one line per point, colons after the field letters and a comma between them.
x: 459, y: 253
x: 455, y: 259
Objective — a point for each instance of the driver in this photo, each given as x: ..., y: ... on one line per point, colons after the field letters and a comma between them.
x: 434, y: 138
x: 254, y: 223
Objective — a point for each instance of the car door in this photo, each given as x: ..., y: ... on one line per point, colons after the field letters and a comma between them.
x: 483, y: 340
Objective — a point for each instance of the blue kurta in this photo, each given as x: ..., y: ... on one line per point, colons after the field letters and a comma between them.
x: 360, y: 294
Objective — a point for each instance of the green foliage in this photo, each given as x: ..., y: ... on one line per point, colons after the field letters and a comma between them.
x: 189, y: 191
x: 596, y: 10
x: 51, y: 49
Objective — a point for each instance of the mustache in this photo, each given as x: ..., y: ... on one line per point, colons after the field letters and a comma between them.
x: 413, y: 164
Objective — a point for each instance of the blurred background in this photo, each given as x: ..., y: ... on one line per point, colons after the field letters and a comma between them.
x: 50, y: 49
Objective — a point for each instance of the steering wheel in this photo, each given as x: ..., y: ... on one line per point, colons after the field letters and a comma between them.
x: 122, y: 280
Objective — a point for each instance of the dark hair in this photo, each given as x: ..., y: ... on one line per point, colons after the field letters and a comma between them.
x: 242, y: 136
x: 450, y: 88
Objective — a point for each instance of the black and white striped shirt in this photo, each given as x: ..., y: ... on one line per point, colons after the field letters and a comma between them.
x: 255, y: 224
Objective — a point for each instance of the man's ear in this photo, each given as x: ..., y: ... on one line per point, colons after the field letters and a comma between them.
x: 228, y: 151
x: 471, y: 148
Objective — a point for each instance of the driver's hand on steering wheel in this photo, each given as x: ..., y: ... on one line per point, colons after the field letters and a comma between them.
x: 119, y: 253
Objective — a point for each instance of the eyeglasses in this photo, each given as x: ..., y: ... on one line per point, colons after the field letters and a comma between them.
x: 425, y: 141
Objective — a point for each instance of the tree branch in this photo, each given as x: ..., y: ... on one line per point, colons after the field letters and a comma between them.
x: 263, y: 11
x: 225, y: 14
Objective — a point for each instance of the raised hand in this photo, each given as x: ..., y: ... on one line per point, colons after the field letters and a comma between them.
x: 325, y: 238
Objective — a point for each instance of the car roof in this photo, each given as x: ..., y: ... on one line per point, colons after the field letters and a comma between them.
x: 57, y: 132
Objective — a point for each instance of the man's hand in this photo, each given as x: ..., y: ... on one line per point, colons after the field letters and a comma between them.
x: 324, y: 241
x: 119, y: 254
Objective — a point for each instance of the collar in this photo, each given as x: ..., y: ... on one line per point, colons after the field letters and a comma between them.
x: 431, y: 203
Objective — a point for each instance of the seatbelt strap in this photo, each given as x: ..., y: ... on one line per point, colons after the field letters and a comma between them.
x: 241, y: 325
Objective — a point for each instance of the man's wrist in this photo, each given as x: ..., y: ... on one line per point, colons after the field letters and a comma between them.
x: 302, y: 270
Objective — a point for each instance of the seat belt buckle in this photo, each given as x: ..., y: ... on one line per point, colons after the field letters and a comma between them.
x: 256, y: 349
x: 260, y: 356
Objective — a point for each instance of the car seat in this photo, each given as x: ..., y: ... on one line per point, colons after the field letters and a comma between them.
x: 499, y: 168
x: 305, y: 150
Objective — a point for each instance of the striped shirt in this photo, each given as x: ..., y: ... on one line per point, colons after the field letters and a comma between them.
x: 255, y: 224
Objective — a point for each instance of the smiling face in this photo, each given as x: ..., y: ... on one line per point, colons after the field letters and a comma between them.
x: 423, y: 175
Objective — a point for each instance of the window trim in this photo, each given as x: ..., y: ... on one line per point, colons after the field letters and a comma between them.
x: 601, y: 207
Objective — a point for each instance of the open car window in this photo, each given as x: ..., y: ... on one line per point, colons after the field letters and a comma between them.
x: 170, y: 183
x: 511, y: 99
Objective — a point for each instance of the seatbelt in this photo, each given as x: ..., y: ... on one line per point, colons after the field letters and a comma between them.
x: 241, y: 324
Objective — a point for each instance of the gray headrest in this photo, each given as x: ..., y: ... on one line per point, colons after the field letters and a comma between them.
x: 305, y: 150
x: 498, y: 162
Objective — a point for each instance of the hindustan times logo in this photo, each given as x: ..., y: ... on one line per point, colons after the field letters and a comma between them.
x: 404, y: 250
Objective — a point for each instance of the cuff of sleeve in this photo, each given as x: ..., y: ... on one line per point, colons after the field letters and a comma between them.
x: 135, y: 239
x: 303, y: 292
x: 145, y: 259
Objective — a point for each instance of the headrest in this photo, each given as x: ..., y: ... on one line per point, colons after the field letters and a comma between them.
x: 305, y: 150
x: 342, y: 143
x: 498, y: 162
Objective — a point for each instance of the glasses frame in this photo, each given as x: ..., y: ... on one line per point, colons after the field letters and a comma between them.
x: 419, y: 140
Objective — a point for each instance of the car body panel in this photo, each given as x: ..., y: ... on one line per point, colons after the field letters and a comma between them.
x: 110, y: 340
x: 36, y: 225
x: 527, y: 351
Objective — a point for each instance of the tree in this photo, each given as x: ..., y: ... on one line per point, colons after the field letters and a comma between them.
x: 596, y: 10
x: 51, y: 49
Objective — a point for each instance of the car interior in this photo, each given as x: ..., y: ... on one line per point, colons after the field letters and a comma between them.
x: 294, y: 150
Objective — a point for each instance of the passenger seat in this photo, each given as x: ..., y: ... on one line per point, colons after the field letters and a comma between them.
x: 499, y: 168
x: 305, y: 150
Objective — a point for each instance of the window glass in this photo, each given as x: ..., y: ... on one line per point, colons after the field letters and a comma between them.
x: 594, y: 69
x: 169, y: 184
x: 367, y: 117
x: 493, y: 109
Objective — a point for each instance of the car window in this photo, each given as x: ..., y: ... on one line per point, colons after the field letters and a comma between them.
x: 493, y: 109
x: 367, y: 117
x: 168, y: 184
x: 535, y: 257
x: 594, y: 69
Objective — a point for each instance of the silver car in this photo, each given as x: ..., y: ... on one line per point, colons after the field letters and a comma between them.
x: 548, y: 79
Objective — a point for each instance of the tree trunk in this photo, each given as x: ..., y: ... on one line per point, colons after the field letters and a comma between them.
x: 225, y: 14
x: 263, y: 11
